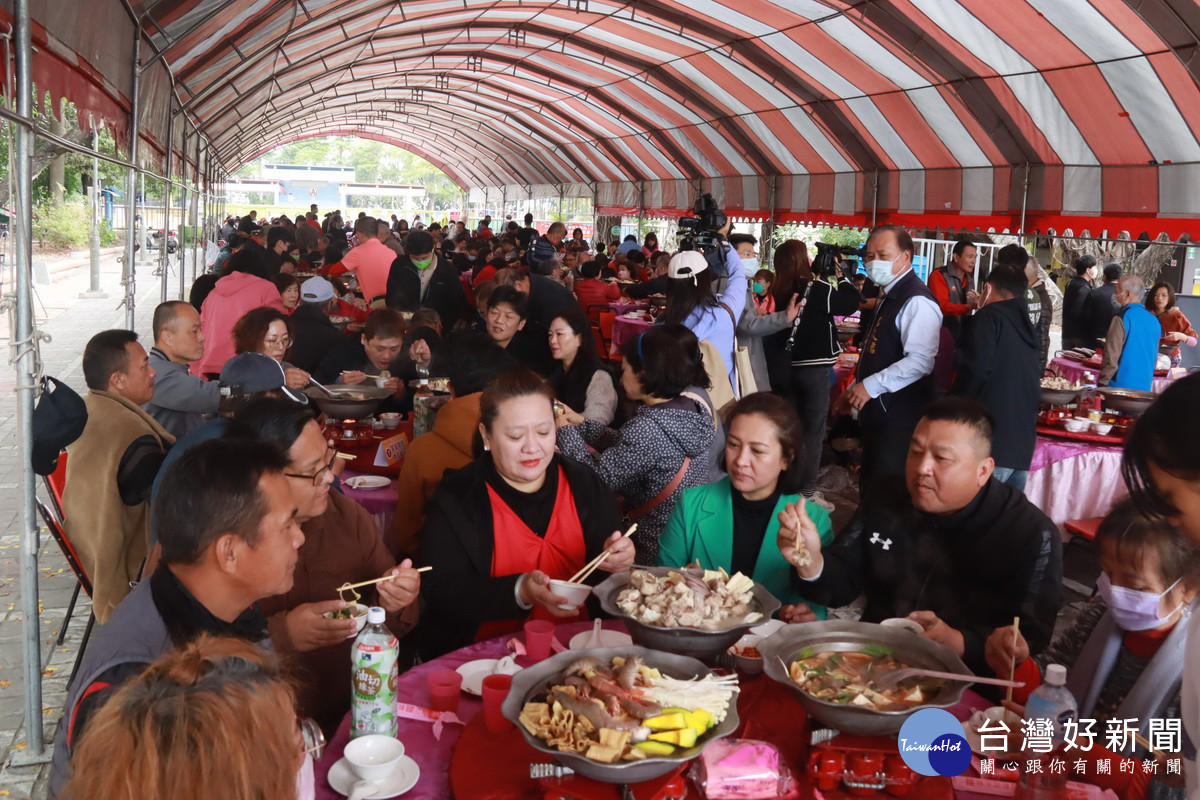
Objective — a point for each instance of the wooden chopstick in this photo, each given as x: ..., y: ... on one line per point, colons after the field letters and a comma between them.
x: 345, y: 456
x: 1142, y: 741
x: 1012, y: 666
x: 590, y: 567
x: 345, y: 586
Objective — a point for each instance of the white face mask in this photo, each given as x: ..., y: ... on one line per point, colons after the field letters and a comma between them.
x: 750, y: 263
x: 880, y: 272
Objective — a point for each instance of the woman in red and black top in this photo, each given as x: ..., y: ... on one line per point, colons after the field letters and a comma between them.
x: 500, y: 528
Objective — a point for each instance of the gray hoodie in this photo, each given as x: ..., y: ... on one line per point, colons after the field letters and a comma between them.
x: 642, y: 458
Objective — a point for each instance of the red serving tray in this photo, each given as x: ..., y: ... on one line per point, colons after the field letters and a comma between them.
x: 1063, y: 433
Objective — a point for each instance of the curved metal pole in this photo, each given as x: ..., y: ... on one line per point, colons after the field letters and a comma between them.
x: 195, y: 208
x: 129, y: 272
x: 183, y: 171
x: 24, y: 352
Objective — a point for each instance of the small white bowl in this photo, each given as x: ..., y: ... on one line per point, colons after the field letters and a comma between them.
x: 391, y: 420
x: 747, y: 664
x: 381, y: 382
x: 374, y: 757
x: 1077, y: 425
x: 574, y: 593
x: 1101, y: 428
x: 907, y: 624
x: 360, y: 617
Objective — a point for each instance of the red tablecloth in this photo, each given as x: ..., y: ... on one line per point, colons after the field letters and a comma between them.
x: 767, y: 711
x: 625, y: 329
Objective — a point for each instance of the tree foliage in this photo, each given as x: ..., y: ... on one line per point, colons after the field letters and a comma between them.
x: 373, y: 162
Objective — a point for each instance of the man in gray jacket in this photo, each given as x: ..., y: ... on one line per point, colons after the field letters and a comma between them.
x: 181, y: 400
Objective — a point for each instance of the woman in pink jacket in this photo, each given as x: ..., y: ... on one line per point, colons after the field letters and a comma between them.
x: 244, y: 288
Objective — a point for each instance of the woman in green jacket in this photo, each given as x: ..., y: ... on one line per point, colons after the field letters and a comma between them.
x: 733, y: 523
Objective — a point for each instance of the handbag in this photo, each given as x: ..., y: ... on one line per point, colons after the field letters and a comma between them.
x: 743, y: 369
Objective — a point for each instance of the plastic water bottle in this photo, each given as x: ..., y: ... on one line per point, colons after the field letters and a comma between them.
x: 422, y: 412
x: 1054, y: 702
x: 373, y: 678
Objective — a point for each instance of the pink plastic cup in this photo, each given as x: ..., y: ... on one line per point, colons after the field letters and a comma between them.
x: 538, y: 635
x: 445, y: 685
x: 495, y: 689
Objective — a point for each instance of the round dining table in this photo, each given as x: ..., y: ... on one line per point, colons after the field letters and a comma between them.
x: 626, y: 328
x: 460, y: 759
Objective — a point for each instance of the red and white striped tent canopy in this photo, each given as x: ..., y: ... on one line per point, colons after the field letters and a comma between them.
x: 955, y: 112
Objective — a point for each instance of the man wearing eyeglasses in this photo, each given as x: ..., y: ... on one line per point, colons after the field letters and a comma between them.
x: 182, y: 401
x: 342, y: 545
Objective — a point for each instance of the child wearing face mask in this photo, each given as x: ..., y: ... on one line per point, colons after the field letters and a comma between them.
x: 1124, y: 653
x: 764, y: 303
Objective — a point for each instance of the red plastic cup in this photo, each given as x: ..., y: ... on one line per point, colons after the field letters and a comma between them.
x: 495, y: 689
x: 445, y: 685
x: 538, y: 635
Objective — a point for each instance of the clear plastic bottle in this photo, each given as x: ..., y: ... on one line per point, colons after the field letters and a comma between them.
x: 373, y: 678
x: 422, y: 412
x: 1053, y: 701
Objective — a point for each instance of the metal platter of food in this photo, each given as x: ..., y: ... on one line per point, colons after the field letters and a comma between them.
x: 837, y: 668
x: 1058, y: 391
x: 348, y: 402
x: 1127, y: 401
x: 621, y: 714
x: 685, y: 610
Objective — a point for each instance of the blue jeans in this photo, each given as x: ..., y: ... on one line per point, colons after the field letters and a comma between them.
x: 1013, y: 477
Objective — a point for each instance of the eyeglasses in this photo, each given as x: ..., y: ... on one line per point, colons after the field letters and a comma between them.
x: 285, y: 341
x: 319, y: 475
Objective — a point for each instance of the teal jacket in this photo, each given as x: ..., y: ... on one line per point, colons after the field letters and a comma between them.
x: 701, y: 529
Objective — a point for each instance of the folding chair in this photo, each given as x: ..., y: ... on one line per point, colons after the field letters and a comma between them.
x: 607, y: 320
x: 594, y: 311
x: 54, y: 523
x: 1081, y: 531
x: 598, y: 340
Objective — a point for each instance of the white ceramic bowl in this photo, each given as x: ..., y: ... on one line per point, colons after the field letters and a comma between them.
x: 391, y: 420
x: 1101, y: 428
x: 747, y: 664
x: 373, y: 757
x: 360, y: 618
x: 1077, y: 425
x: 575, y: 593
x: 381, y: 382
x: 905, y: 623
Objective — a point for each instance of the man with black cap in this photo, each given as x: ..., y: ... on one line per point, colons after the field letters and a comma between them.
x: 181, y: 400
x: 313, y: 334
x: 112, y: 466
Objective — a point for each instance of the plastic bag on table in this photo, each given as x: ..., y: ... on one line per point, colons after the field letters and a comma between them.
x: 211, y: 251
x: 741, y: 769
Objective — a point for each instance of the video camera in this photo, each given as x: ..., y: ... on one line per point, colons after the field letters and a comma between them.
x: 825, y: 263
x: 700, y: 231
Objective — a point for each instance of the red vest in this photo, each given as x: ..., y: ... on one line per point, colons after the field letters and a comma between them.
x: 517, y: 550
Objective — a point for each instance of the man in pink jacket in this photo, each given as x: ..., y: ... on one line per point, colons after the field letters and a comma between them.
x: 241, y: 290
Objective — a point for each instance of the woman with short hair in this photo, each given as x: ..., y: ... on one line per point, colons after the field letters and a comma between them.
x: 499, y: 529
x: 1176, y: 329
x: 732, y: 524
x: 268, y: 331
x: 662, y: 449
x: 213, y: 718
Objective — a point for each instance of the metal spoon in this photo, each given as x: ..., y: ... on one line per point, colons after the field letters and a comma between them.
x: 890, y: 679
x: 328, y: 393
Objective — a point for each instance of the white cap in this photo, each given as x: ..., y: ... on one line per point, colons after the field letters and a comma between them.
x: 686, y: 264
x: 376, y: 615
x: 1056, y: 675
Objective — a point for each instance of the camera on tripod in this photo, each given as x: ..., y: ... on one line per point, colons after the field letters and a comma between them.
x: 699, y: 232
x: 828, y: 257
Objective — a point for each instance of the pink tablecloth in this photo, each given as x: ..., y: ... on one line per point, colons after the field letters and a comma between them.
x: 380, y: 503
x: 1074, y: 480
x: 622, y: 307
x: 1076, y: 371
x: 625, y: 329
x: 432, y: 755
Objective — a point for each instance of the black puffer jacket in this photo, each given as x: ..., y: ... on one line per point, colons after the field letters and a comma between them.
x: 816, y: 341
x: 977, y: 568
x: 641, y: 459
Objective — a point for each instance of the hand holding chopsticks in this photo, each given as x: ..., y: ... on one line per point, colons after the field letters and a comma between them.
x: 590, y: 567
x: 350, y: 587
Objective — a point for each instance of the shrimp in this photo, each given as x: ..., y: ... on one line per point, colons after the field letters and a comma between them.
x: 592, y: 712
x: 628, y: 673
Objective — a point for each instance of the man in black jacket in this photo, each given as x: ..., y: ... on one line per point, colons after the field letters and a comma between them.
x: 422, y: 279
x: 951, y: 548
x: 547, y: 299
x: 997, y: 365
x: 313, y: 334
x: 1075, y: 302
x: 1099, y: 309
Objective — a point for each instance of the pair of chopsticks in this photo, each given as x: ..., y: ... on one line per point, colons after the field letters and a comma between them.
x: 590, y: 567
x: 1012, y: 664
x: 377, y: 580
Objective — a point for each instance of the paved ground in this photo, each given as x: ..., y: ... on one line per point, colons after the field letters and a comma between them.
x: 71, y: 321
